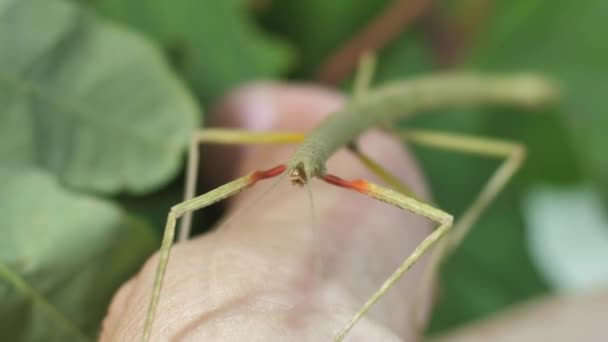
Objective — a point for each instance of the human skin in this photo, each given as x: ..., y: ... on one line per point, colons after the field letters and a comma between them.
x: 270, y: 274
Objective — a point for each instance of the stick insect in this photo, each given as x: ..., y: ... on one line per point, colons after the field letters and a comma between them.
x: 369, y: 108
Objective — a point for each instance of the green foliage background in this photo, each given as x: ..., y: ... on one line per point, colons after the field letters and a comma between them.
x: 97, y: 99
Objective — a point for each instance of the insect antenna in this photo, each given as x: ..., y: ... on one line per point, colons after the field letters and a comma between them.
x: 316, y: 231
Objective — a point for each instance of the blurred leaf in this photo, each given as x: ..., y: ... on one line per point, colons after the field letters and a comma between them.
x: 567, y: 41
x: 213, y: 43
x: 559, y: 40
x: 408, y: 55
x: 92, y: 103
x: 543, y: 133
x: 318, y: 27
x: 492, y: 269
x: 476, y: 279
x: 62, y: 256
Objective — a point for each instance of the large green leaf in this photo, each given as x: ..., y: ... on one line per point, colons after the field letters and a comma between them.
x: 559, y: 40
x: 90, y: 102
x: 213, y: 43
x: 62, y: 255
x: 566, y: 40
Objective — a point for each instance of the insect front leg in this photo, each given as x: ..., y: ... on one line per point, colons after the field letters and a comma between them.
x: 224, y: 137
x: 225, y: 191
x: 399, y: 200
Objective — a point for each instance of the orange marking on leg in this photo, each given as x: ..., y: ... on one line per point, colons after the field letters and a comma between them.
x: 359, y: 185
x: 265, y: 174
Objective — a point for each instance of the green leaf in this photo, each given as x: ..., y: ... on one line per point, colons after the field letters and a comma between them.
x: 492, y: 269
x: 567, y: 41
x: 559, y: 40
x: 91, y: 102
x: 213, y: 43
x: 408, y: 55
x: 62, y: 256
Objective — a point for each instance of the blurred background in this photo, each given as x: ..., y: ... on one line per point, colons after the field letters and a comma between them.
x: 98, y: 99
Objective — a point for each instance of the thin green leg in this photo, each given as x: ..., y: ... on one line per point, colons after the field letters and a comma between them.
x: 403, y: 198
x: 364, y: 76
x: 224, y: 137
x: 177, y: 211
x: 387, y: 177
x: 513, y: 153
x: 399, y: 200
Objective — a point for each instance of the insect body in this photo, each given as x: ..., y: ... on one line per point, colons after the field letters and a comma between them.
x: 401, y: 99
x: 369, y: 109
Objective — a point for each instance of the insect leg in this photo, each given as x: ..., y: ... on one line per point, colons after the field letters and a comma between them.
x: 179, y: 210
x: 387, y: 177
x: 225, y: 137
x: 513, y: 154
x: 392, y: 197
x: 364, y: 75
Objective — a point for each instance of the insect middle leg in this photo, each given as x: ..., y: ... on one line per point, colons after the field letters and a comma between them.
x: 513, y: 154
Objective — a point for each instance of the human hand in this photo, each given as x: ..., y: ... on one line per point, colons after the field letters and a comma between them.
x: 270, y: 275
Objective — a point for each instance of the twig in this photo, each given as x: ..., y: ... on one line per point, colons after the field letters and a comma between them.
x: 387, y: 26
